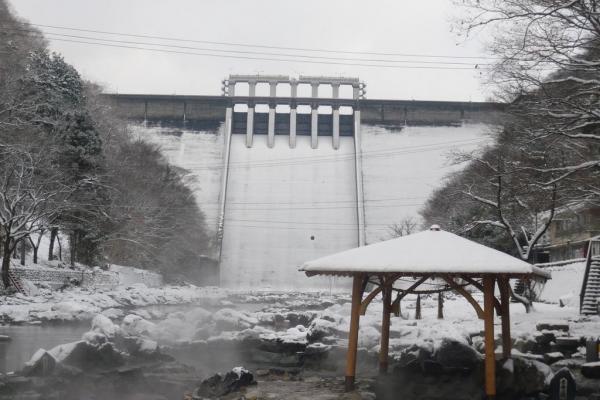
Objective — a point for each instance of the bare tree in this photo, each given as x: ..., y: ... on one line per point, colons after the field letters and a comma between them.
x: 547, y: 57
x: 28, y: 199
x: 35, y: 244
x: 406, y: 226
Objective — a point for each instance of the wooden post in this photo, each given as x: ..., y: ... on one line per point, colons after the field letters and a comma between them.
x: 490, y: 359
x: 503, y: 284
x: 353, y: 334
x: 385, y: 329
x: 440, y: 305
x: 418, y: 307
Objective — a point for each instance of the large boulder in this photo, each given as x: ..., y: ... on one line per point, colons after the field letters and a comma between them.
x: 519, y: 377
x: 591, y: 370
x: 88, y: 356
x: 456, y: 355
x: 552, y: 326
x: 414, y: 356
x: 41, y: 364
x: 322, y: 330
x: 219, y: 385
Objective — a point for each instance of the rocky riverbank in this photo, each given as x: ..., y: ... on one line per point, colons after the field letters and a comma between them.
x: 297, y: 341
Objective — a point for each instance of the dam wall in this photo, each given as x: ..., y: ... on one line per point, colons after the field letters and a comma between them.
x: 280, y: 188
x: 285, y: 206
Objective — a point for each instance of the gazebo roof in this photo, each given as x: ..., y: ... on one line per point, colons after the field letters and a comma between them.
x: 430, y: 252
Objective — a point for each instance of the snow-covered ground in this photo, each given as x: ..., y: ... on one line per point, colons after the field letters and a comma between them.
x: 565, y: 284
x: 78, y: 304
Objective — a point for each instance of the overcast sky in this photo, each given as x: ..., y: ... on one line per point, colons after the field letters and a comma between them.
x: 380, y: 26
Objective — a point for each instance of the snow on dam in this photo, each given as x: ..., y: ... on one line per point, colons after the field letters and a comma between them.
x: 285, y: 206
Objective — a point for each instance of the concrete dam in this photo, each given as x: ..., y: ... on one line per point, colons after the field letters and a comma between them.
x: 285, y: 178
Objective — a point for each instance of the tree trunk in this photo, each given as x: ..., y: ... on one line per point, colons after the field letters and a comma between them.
x: 59, y: 247
x: 6, y: 262
x: 73, y: 246
x: 22, y: 252
x: 53, y: 235
x: 35, y: 246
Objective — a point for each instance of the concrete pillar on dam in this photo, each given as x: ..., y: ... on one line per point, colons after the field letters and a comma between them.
x: 293, y: 89
x: 335, y: 90
x: 336, y: 127
x: 249, y: 125
x: 293, y: 112
x: 356, y: 91
x: 314, y: 116
x: 315, y: 89
x: 271, y: 126
x: 314, y: 126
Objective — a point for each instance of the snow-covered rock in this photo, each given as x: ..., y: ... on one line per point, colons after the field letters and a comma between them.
x: 134, y: 325
x: 105, y: 326
x: 80, y: 304
x: 230, y: 319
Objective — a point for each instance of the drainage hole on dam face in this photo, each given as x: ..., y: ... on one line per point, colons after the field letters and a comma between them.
x: 312, y: 237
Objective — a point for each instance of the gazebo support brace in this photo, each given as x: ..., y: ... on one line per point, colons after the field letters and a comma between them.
x: 461, y: 290
x: 503, y: 285
x: 490, y: 360
x: 385, y: 328
x: 479, y: 286
x: 357, y: 289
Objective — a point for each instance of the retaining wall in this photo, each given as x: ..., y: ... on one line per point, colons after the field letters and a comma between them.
x: 95, y: 277
x: 58, y: 277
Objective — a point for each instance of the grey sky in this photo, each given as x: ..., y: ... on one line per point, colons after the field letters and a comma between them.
x: 421, y: 27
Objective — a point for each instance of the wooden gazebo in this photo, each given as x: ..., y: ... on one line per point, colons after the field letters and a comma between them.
x: 440, y: 260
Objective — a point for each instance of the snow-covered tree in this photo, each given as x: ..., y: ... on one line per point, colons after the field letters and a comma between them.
x: 547, y: 59
x: 29, y: 198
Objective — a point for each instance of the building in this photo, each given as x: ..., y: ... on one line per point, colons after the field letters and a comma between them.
x: 570, y: 232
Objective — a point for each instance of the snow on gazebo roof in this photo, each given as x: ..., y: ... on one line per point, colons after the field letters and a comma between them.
x: 429, y: 252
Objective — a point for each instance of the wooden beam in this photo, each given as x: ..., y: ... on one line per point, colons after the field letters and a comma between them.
x: 461, y: 290
x: 503, y: 285
x: 440, y: 305
x: 403, y: 293
x: 385, y: 329
x: 382, y: 278
x: 490, y: 358
x: 357, y: 292
x: 479, y: 286
x: 365, y: 303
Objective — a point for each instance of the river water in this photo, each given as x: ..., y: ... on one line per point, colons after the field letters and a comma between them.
x: 27, y: 339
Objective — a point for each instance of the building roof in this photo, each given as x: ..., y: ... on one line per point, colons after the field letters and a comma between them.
x: 430, y: 252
